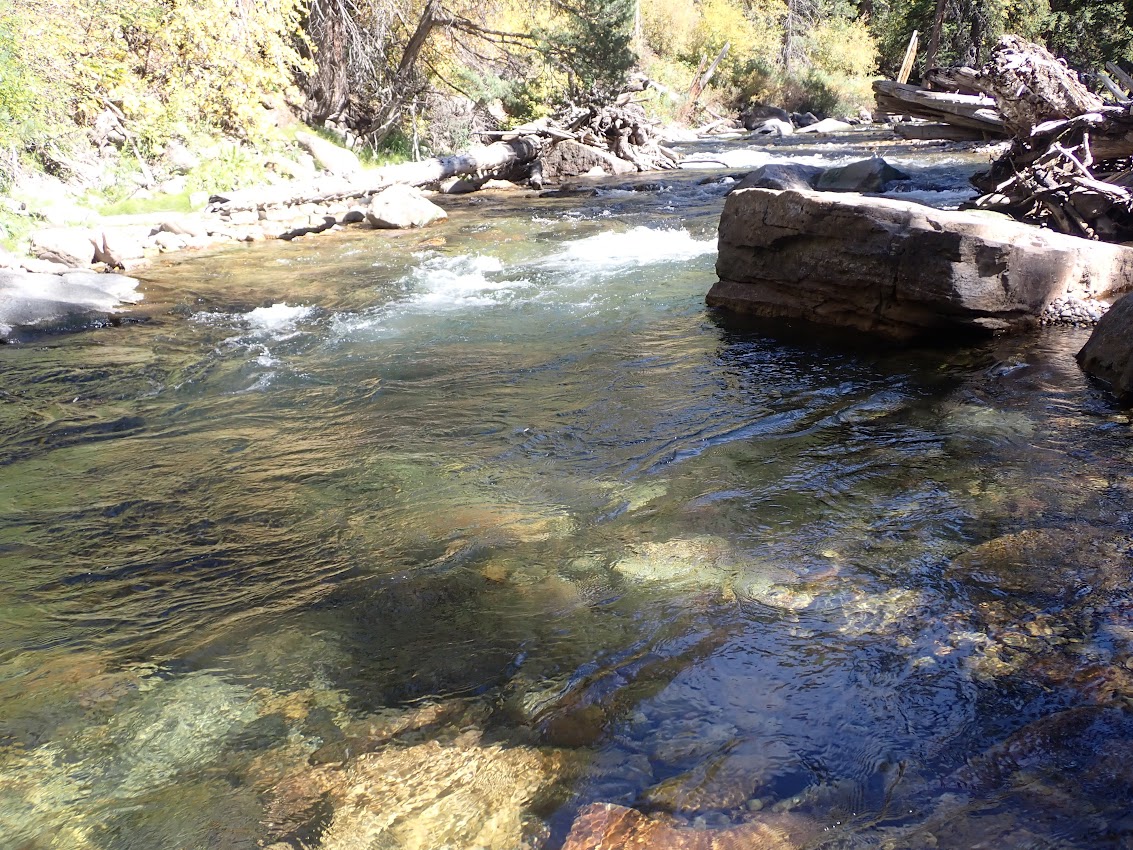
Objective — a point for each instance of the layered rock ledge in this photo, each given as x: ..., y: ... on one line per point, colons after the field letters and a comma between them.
x: 900, y: 270
x: 72, y: 300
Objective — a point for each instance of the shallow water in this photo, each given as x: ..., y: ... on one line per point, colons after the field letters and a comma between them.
x: 435, y: 539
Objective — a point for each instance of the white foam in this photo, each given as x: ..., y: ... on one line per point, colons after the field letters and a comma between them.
x: 276, y: 318
x: 751, y: 158
x: 640, y: 246
x: 473, y: 280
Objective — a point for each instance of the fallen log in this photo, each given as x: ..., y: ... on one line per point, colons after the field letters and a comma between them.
x: 492, y: 158
x: 977, y: 112
x: 942, y: 132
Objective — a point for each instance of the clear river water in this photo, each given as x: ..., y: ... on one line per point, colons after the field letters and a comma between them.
x: 437, y: 539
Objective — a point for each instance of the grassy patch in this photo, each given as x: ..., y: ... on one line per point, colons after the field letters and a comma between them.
x: 158, y: 203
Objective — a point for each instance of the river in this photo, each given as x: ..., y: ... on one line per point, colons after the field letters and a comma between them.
x: 437, y: 539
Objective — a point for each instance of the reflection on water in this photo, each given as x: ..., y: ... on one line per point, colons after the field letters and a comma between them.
x: 490, y: 536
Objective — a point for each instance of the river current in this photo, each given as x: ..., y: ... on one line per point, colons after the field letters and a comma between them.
x: 438, y: 539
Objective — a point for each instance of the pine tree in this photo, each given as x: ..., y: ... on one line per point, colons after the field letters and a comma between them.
x: 591, y: 43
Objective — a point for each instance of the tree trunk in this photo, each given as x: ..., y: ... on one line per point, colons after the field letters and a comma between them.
x: 934, y: 39
x: 327, y: 89
x: 402, y: 87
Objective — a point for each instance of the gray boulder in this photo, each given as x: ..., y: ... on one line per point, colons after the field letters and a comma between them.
x: 865, y: 175
x: 781, y: 176
x: 66, y: 245
x: 401, y: 206
x: 68, y: 301
x: 897, y: 269
x: 1108, y: 355
x: 573, y: 159
x: 774, y: 128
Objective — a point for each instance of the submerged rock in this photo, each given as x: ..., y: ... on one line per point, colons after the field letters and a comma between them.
x: 899, y: 270
x: 463, y: 793
x: 1108, y: 355
x: 1051, y: 563
x: 604, y: 825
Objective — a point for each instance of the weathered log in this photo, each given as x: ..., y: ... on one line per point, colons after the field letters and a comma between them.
x: 486, y: 159
x: 976, y: 111
x: 940, y: 131
x: 1032, y: 86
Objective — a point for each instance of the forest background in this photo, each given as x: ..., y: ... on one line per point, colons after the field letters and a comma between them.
x: 99, y: 92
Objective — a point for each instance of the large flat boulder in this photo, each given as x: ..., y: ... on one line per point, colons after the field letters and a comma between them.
x: 69, y: 301
x: 1108, y: 354
x: 897, y: 269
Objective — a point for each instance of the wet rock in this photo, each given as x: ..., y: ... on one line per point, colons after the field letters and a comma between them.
x: 781, y: 176
x: 400, y: 207
x: 1108, y: 355
x: 899, y: 270
x: 574, y: 159
x: 865, y: 175
x: 604, y: 826
x: 463, y: 793
x: 68, y: 301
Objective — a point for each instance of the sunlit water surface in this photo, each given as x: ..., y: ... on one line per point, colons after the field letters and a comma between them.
x: 436, y: 539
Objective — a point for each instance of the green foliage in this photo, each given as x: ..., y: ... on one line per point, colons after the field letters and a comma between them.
x: 1086, y: 33
x: 1089, y: 34
x: 171, y: 67
x: 157, y: 203
x: 589, y: 40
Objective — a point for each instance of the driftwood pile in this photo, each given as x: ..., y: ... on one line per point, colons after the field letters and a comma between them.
x: 1068, y: 166
x: 621, y: 130
x: 617, y: 131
